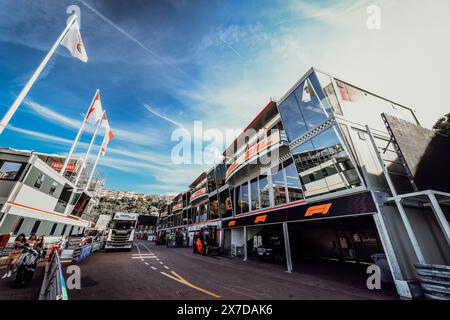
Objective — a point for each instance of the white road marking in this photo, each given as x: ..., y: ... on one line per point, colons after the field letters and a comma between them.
x: 166, y: 267
x: 161, y: 262
x: 153, y: 268
x: 144, y: 257
x: 146, y: 263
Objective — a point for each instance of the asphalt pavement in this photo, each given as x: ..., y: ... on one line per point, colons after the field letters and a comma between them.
x: 157, y: 272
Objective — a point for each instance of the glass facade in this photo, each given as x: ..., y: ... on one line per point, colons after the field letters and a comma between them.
x: 264, y: 194
x: 295, y: 191
x: 244, y: 198
x: 254, y: 194
x: 324, y: 166
x: 225, y: 204
x: 304, y: 109
x: 211, y: 181
x: 279, y: 185
x: 214, y: 208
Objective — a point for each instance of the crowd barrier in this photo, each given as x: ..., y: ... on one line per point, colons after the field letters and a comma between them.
x: 54, y: 285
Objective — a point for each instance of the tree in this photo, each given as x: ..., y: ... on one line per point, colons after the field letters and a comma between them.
x: 443, y: 125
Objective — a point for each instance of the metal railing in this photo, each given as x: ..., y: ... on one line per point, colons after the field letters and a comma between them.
x: 54, y: 284
x: 435, y: 281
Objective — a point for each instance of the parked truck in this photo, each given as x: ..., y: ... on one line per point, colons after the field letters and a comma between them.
x: 121, y: 231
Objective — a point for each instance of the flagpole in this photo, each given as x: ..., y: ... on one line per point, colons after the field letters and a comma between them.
x: 83, y: 164
x: 77, y: 138
x: 96, y: 162
x: 13, y: 108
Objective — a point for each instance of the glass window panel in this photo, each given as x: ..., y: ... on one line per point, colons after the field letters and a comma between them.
x: 254, y: 194
x: 39, y: 180
x: 214, y: 208
x: 53, y: 187
x: 330, y: 94
x: 279, y: 186
x: 310, y: 106
x: 244, y: 198
x: 225, y: 204
x: 293, y: 182
x: 237, y: 201
x: 264, y: 191
x: 203, y: 215
x: 10, y: 170
x: 220, y: 175
x: 324, y: 166
x: 293, y: 120
x: 211, y: 181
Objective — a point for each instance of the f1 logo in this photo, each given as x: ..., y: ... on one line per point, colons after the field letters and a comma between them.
x: 322, y: 209
x: 232, y: 223
x: 262, y: 219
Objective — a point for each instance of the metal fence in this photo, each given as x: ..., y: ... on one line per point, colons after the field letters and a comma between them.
x: 54, y: 284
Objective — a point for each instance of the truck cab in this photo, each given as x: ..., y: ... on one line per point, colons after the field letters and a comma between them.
x: 121, y: 231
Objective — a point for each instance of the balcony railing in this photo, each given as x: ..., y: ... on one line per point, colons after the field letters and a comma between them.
x: 275, y: 138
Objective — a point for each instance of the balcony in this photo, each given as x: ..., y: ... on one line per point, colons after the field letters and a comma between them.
x: 275, y: 140
x: 198, y: 194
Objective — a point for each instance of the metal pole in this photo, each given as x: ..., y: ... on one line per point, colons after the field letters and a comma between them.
x: 245, y: 243
x: 95, y: 164
x: 83, y: 164
x: 440, y: 216
x: 7, y: 117
x: 287, y: 247
x: 408, y: 227
x: 77, y: 138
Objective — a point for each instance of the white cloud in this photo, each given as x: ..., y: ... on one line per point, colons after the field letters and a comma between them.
x: 139, y: 138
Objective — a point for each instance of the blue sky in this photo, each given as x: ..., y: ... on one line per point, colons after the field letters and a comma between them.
x: 165, y: 64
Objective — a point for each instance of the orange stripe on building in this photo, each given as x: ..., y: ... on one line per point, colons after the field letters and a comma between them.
x: 43, y: 211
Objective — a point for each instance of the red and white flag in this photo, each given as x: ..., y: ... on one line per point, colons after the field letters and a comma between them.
x: 95, y: 110
x: 109, y: 135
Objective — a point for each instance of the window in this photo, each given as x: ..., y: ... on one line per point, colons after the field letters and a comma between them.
x: 225, y: 204
x: 10, y: 170
x: 202, y: 213
x: 324, y: 165
x: 220, y: 175
x: 63, y: 231
x: 279, y: 186
x: 71, y: 230
x: 211, y: 181
x: 244, y: 198
x: 237, y: 202
x: 53, y: 188
x: 264, y: 191
x: 52, y: 231
x: 254, y: 194
x: 39, y: 180
x: 36, y: 226
x: 294, y: 186
x: 304, y: 109
x: 18, y: 226
x: 214, y: 208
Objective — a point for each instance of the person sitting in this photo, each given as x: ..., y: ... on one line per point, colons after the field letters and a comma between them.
x: 32, y: 240
x: 15, y: 254
x: 40, y: 244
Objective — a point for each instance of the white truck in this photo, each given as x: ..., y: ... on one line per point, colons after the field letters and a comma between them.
x: 121, y: 231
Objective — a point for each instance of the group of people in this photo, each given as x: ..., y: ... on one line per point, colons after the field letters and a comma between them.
x: 17, y: 249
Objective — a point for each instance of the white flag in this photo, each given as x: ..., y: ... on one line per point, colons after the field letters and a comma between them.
x: 95, y: 111
x: 109, y: 134
x: 72, y: 41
